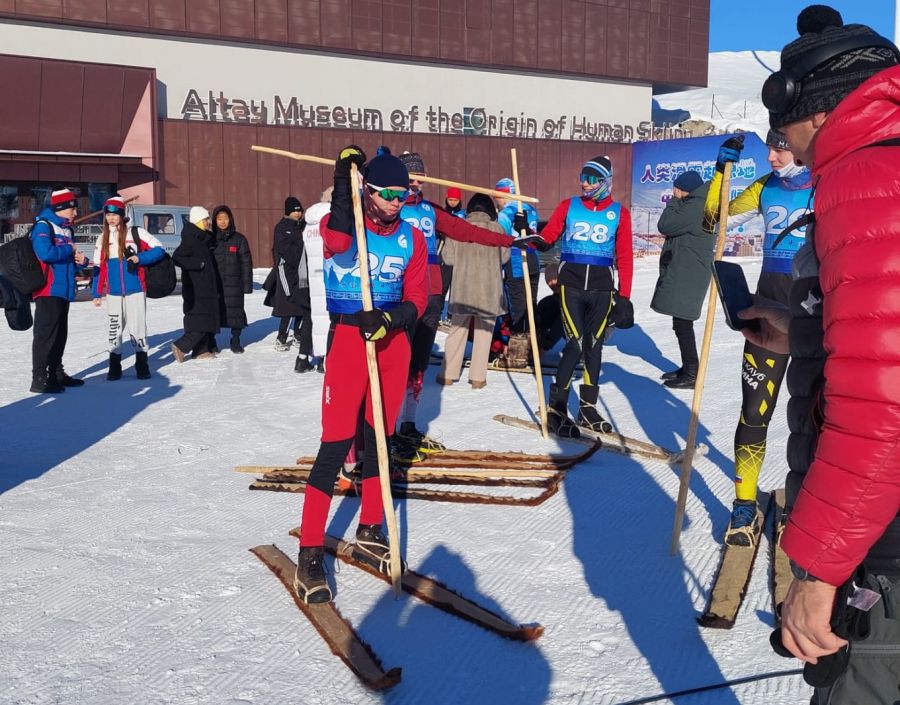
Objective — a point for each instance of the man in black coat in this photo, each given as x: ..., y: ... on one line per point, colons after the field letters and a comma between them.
x: 234, y: 265
x: 292, y: 284
x: 199, y: 288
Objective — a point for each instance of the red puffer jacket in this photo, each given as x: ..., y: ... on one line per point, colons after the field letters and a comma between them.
x: 851, y: 493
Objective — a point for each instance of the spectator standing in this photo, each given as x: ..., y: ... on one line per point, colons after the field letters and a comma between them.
x: 54, y: 245
x: 479, y: 300
x: 199, y: 288
x: 119, y: 275
x: 684, y: 271
x: 234, y: 265
x: 292, y: 284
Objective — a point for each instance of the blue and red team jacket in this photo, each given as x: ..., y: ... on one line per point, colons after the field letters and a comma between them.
x: 111, y: 275
x: 54, y: 247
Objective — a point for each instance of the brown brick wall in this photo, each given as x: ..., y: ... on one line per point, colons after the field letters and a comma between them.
x: 664, y: 42
x: 209, y: 164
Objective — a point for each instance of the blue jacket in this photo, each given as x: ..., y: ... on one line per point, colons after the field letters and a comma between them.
x: 505, y: 218
x: 111, y: 275
x: 55, y: 248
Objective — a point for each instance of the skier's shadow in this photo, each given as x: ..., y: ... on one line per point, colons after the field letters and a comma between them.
x: 622, y: 546
x: 446, y: 659
x: 32, y: 443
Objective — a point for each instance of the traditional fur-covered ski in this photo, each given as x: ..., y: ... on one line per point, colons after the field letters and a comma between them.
x: 781, y: 564
x: 488, y: 459
x: 730, y: 584
x: 337, y: 632
x: 439, y: 595
x: 405, y: 492
x: 613, y: 442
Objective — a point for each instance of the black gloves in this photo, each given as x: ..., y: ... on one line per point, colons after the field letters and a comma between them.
x: 520, y: 223
x: 129, y: 265
x: 730, y: 151
x: 341, y: 218
x: 374, y: 324
x: 622, y: 315
x: 350, y: 154
x: 523, y: 243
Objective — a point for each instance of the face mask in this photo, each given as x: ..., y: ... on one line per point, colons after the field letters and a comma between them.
x: 792, y: 169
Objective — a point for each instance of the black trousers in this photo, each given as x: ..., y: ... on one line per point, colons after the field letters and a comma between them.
x: 584, y: 315
x: 51, y: 330
x: 302, y: 329
x: 196, y: 342
x: 423, y: 337
x: 515, y: 295
x: 687, y: 343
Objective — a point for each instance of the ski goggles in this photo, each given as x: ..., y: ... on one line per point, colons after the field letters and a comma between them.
x: 389, y: 194
x: 592, y: 179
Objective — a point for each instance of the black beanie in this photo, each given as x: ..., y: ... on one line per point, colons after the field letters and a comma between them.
x: 598, y: 166
x: 291, y: 204
x: 413, y: 162
x: 829, y: 83
x: 386, y: 170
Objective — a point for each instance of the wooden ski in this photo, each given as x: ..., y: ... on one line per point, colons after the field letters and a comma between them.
x: 781, y: 564
x: 337, y: 632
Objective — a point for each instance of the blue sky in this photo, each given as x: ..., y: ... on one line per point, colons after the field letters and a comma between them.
x: 770, y: 24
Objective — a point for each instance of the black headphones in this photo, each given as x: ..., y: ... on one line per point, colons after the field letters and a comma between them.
x: 781, y: 91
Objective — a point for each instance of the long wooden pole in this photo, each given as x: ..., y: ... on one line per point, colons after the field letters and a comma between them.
x: 375, y: 385
x: 687, y: 460
x: 532, y: 333
x: 420, y: 177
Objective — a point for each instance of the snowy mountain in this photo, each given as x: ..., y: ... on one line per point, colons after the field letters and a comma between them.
x: 732, y: 99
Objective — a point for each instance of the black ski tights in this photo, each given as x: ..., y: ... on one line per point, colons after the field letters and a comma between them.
x: 584, y: 315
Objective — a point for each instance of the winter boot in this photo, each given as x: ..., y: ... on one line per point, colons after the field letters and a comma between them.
x: 684, y: 380
x: 372, y: 548
x: 558, y: 421
x: 177, y: 353
x: 320, y: 368
x: 302, y: 364
x: 115, y: 367
x: 309, y: 578
x: 409, y: 435
x: 236, y: 346
x: 588, y: 416
x: 42, y: 383
x: 666, y: 376
x: 350, y: 477
x: 141, y: 365
x: 64, y: 379
x: 283, y: 344
x: 743, y: 530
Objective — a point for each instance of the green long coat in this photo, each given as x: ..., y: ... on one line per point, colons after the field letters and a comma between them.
x: 685, y: 264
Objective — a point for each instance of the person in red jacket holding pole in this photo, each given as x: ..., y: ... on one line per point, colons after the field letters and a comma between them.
x: 596, y: 233
x: 398, y: 261
x: 837, y: 101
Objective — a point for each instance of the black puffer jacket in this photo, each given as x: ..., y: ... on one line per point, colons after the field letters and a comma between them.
x: 199, y: 281
x: 234, y: 266
x: 287, y: 255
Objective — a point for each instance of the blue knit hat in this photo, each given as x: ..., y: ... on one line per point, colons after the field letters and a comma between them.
x: 386, y: 170
x: 689, y: 181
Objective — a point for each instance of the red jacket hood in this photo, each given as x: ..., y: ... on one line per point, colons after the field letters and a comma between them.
x: 869, y: 114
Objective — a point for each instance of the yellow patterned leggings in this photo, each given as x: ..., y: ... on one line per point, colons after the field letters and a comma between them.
x: 761, y: 374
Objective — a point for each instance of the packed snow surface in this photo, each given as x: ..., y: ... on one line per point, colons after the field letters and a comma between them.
x: 125, y: 575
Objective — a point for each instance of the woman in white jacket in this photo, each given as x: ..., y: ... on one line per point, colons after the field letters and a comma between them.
x: 315, y: 262
x: 120, y: 255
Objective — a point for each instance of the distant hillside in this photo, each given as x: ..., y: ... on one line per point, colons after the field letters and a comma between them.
x: 735, y: 81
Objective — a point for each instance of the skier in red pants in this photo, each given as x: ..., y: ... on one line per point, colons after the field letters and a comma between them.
x: 398, y: 264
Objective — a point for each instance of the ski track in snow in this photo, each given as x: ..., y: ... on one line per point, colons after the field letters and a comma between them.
x: 126, y: 575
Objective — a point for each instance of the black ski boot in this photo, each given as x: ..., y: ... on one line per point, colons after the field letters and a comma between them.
x: 62, y: 378
x: 372, y: 548
x: 684, y: 380
x: 666, y: 376
x: 309, y: 578
x: 588, y: 416
x: 115, y: 367
x: 43, y: 383
x: 302, y: 364
x: 558, y: 421
x: 320, y: 368
x: 236, y: 346
x: 141, y: 365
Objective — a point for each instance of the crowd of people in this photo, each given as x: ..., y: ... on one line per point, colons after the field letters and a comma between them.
x: 826, y: 303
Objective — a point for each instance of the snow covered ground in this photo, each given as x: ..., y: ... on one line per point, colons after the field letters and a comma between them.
x: 125, y: 575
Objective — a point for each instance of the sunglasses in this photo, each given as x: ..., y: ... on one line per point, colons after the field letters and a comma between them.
x: 389, y: 194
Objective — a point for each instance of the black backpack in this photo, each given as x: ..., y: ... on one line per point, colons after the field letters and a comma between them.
x: 20, y: 265
x: 160, y: 276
